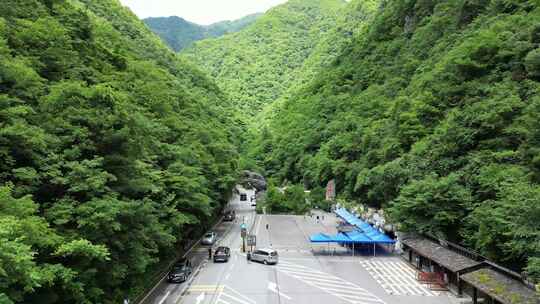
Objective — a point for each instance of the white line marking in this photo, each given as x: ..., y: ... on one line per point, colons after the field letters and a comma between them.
x: 274, y: 288
x: 200, y: 298
x: 330, y: 286
x: 233, y: 297
x: 165, y: 297
x: 241, y: 295
x: 227, y: 276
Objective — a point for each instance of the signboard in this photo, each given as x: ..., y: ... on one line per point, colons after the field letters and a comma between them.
x: 252, y: 240
x: 331, y: 190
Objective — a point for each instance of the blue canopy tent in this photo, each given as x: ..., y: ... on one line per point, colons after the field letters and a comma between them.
x: 358, y: 237
x: 367, y: 234
x: 320, y: 238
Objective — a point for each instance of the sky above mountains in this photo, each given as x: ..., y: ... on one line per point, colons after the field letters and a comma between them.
x: 200, y: 11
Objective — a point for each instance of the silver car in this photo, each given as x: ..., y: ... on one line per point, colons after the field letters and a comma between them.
x: 209, y: 238
x: 265, y: 255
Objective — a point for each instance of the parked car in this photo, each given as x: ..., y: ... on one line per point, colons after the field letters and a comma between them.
x: 209, y: 238
x: 265, y: 255
x: 222, y: 254
x: 180, y: 271
x: 229, y: 216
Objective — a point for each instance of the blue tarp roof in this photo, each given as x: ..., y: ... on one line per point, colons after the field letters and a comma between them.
x: 365, y: 233
x: 358, y: 237
x: 375, y: 235
x: 320, y: 238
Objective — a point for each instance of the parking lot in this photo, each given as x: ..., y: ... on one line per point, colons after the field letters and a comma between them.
x: 304, y: 274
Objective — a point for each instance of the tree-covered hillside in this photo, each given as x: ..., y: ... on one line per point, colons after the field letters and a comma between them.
x: 432, y: 113
x: 112, y: 151
x: 351, y: 21
x: 256, y: 65
x: 179, y: 33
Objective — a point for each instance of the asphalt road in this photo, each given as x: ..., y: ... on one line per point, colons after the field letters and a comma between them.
x: 304, y: 274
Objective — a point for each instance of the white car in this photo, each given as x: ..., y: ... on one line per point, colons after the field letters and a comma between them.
x: 209, y: 238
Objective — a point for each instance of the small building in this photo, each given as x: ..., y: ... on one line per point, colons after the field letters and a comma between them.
x: 465, y: 272
x: 498, y: 286
x: 431, y: 257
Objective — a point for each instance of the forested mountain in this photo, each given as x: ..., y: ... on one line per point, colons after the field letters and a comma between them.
x: 112, y: 151
x: 179, y: 33
x: 256, y: 65
x: 433, y: 113
x: 351, y: 21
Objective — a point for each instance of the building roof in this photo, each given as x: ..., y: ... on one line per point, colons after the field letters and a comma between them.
x: 443, y: 256
x: 500, y: 287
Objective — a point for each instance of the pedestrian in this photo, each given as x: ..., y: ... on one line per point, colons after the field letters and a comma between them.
x: 267, y: 226
x: 209, y: 253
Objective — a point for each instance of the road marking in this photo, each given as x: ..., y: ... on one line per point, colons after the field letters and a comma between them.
x: 232, y: 297
x: 331, y: 284
x: 396, y: 278
x: 200, y: 298
x: 274, y: 288
x: 165, y: 297
x: 206, y: 288
x: 227, y: 276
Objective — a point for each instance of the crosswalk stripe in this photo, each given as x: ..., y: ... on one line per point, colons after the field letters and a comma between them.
x: 396, y: 278
x: 331, y: 284
x: 343, y: 289
x: 306, y: 273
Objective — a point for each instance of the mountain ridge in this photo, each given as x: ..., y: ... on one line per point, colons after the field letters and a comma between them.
x: 180, y: 33
x: 256, y: 65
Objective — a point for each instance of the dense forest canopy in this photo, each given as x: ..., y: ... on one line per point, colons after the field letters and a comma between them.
x: 432, y: 112
x: 256, y: 65
x: 113, y: 151
x: 179, y: 33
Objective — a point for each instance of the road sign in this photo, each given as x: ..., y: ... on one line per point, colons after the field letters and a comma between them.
x: 331, y: 190
x: 252, y: 240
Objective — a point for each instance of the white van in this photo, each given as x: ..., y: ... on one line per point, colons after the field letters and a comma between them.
x: 265, y: 255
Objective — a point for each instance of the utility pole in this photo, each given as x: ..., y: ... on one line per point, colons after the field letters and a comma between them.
x: 243, y: 233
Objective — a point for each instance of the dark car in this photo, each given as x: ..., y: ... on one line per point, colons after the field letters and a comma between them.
x: 180, y: 272
x: 229, y: 216
x: 222, y: 254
